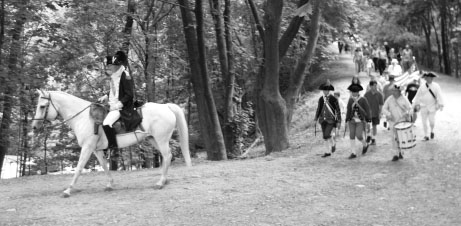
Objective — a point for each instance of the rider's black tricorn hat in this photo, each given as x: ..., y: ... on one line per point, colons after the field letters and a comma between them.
x: 355, y: 88
x: 327, y: 86
x: 120, y: 58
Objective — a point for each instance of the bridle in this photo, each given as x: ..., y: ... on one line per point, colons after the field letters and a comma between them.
x: 47, y: 106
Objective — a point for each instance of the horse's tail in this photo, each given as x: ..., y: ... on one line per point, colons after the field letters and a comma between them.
x: 183, y: 131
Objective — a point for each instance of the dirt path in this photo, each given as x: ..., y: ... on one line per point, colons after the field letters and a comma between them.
x: 295, y: 187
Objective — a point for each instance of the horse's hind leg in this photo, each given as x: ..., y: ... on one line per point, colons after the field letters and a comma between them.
x: 84, y: 156
x: 164, y: 149
x: 100, y: 155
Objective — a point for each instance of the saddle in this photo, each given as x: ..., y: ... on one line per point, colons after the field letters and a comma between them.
x: 128, y: 122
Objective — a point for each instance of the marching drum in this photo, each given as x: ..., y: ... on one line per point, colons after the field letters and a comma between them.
x: 406, y: 138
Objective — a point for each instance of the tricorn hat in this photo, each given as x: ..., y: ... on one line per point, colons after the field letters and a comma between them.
x: 355, y: 88
x: 120, y: 58
x: 327, y: 86
x: 430, y: 74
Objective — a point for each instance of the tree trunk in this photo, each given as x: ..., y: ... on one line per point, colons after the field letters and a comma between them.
x: 439, y: 50
x: 208, y: 117
x: 215, y: 10
x: 230, y: 106
x: 2, y: 31
x: 427, y: 32
x: 298, y: 76
x: 149, y: 72
x: 456, y: 52
x: 445, y: 38
x: 291, y: 31
x: 271, y: 108
x: 128, y: 25
x: 258, y: 23
x: 12, y: 78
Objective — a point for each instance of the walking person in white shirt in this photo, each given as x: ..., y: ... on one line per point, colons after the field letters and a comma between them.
x: 395, y: 69
x: 397, y: 109
x: 428, y: 100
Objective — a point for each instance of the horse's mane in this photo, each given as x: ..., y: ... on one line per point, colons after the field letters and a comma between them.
x: 67, y: 94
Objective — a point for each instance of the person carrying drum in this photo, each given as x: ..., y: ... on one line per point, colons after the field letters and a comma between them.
x: 397, y: 109
x: 428, y: 100
x: 357, y: 115
x: 328, y: 114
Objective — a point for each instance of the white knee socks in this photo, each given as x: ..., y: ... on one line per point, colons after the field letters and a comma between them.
x: 352, y: 143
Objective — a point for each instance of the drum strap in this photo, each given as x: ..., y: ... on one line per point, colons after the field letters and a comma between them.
x: 403, y: 109
x: 432, y: 93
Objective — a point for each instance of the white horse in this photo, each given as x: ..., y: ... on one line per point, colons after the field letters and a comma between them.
x: 159, y: 122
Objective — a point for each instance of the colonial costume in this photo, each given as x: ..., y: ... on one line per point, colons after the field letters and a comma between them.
x: 358, y: 113
x: 120, y: 96
x: 328, y: 115
x: 428, y: 100
x: 397, y: 109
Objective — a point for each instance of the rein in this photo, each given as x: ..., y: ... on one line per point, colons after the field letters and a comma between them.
x: 47, y: 108
x: 73, y: 116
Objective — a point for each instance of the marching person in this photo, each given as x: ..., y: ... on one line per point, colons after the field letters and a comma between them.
x: 375, y: 55
x: 387, y: 91
x: 397, y: 109
x: 410, y: 93
x: 378, y: 84
x: 120, y: 96
x: 370, y: 66
x: 375, y: 101
x: 394, y: 69
x: 428, y: 100
x: 407, y: 58
x: 358, y: 59
x: 358, y: 113
x: 412, y: 89
x: 382, y: 60
x: 328, y: 115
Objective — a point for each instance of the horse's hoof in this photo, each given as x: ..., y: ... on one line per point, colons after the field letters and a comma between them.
x: 65, y: 195
x: 108, y: 189
x: 158, y: 187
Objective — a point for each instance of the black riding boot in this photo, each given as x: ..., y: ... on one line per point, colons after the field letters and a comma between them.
x: 110, y: 134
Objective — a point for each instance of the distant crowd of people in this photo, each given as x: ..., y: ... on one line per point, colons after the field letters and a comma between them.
x: 395, y: 104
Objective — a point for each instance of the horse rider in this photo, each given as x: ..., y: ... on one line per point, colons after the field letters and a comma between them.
x: 120, y: 96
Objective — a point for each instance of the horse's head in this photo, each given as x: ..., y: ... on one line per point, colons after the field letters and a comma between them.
x: 46, y: 110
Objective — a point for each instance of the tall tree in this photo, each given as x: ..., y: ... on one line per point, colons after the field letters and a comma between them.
x: 298, y: 75
x: 271, y: 107
x: 13, y: 76
x: 209, y: 123
x: 131, y: 10
x: 224, y: 52
x: 444, y: 32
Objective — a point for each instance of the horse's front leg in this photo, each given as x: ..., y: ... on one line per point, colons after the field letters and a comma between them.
x: 100, y: 155
x: 84, y: 156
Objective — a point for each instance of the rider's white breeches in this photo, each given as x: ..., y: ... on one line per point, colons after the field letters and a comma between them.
x: 111, y: 117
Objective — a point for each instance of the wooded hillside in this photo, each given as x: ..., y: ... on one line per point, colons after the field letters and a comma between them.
x: 236, y: 67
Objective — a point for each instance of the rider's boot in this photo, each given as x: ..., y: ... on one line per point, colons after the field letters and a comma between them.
x: 110, y: 134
